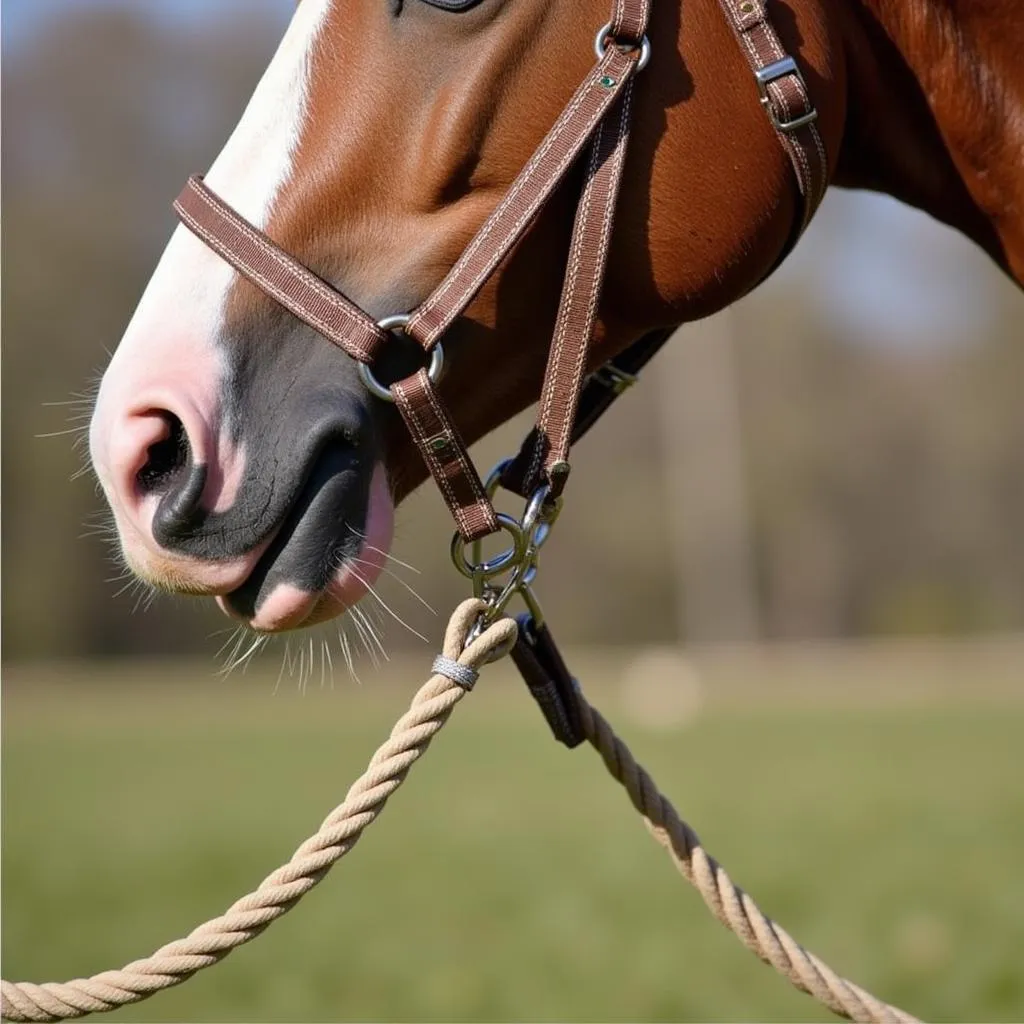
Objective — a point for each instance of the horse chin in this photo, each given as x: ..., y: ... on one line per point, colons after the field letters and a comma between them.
x: 289, y: 606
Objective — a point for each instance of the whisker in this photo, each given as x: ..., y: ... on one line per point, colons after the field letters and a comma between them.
x: 222, y: 632
x: 394, y: 575
x: 131, y: 584
x: 63, y: 433
x: 363, y: 638
x: 235, y: 642
x: 373, y: 633
x: 330, y: 660
x: 285, y: 661
x: 240, y: 661
x: 391, y: 558
x: 385, y: 606
x: 346, y: 650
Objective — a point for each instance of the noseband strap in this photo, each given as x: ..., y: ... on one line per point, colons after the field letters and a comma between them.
x: 281, y: 276
x: 598, y: 114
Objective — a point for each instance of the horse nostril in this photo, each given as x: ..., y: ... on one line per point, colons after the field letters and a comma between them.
x: 166, y: 458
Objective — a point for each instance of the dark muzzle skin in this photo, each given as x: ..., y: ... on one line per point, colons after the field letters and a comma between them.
x: 309, y: 439
x: 312, y: 444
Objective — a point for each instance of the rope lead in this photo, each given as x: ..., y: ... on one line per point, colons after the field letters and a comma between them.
x: 455, y: 672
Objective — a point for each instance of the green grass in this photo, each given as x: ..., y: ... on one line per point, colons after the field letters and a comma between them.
x: 509, y: 879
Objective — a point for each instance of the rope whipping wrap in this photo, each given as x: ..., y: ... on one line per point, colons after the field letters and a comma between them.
x: 279, y: 892
x: 430, y: 709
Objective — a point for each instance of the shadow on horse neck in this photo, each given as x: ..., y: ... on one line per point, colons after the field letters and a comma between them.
x: 919, y: 99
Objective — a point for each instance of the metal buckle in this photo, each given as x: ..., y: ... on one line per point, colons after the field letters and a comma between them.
x: 614, y: 378
x: 772, y: 73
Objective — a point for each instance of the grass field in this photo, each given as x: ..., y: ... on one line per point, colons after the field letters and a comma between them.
x: 873, y: 804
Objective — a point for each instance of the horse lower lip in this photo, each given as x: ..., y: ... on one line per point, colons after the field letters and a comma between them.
x: 318, y: 565
x: 286, y: 607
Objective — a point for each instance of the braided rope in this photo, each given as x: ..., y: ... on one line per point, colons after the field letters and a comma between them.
x: 430, y: 709
x: 279, y: 892
x: 726, y: 900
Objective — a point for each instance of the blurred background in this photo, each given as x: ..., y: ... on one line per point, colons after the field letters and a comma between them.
x: 816, y: 631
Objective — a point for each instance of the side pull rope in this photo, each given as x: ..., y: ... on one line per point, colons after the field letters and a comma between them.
x: 454, y: 673
x: 279, y: 892
x: 726, y: 900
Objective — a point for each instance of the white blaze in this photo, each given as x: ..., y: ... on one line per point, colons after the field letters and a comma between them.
x: 175, y: 324
x: 168, y: 357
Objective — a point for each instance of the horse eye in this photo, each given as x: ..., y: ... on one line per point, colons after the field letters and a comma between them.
x: 452, y: 5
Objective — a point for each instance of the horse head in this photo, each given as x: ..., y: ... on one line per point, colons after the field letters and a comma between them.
x: 241, y: 453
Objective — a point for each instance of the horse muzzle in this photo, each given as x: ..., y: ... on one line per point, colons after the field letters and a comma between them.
x: 280, y: 508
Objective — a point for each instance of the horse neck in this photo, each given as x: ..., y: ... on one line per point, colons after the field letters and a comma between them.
x: 936, y: 113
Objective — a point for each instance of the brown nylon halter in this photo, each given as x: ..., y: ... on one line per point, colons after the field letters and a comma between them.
x: 598, y: 114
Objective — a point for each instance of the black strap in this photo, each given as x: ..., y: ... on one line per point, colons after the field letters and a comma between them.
x: 603, y: 386
x: 599, y: 391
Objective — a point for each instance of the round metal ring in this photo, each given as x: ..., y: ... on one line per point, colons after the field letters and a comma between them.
x: 394, y: 323
x: 601, y: 46
x: 374, y: 386
x: 493, y: 481
x: 500, y: 562
x: 534, y: 508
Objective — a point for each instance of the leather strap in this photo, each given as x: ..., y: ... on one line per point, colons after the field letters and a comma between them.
x: 538, y: 179
x: 617, y: 375
x: 549, y: 681
x: 599, y: 391
x: 445, y: 455
x: 629, y: 21
x: 785, y: 97
x: 281, y: 276
x: 546, y: 458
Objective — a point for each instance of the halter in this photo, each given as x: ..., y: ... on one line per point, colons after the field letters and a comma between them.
x: 598, y: 114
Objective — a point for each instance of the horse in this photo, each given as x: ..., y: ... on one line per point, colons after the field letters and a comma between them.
x: 248, y: 459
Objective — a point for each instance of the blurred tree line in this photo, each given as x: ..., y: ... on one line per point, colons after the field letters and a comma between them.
x: 886, y: 487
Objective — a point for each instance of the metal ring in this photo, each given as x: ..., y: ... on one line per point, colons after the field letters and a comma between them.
x: 534, y: 508
x: 539, y: 517
x: 374, y: 386
x: 493, y: 481
x: 601, y: 46
x: 499, y: 563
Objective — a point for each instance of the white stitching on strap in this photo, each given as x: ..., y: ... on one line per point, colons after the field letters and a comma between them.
x: 317, y: 323
x: 524, y: 179
x: 306, y: 277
